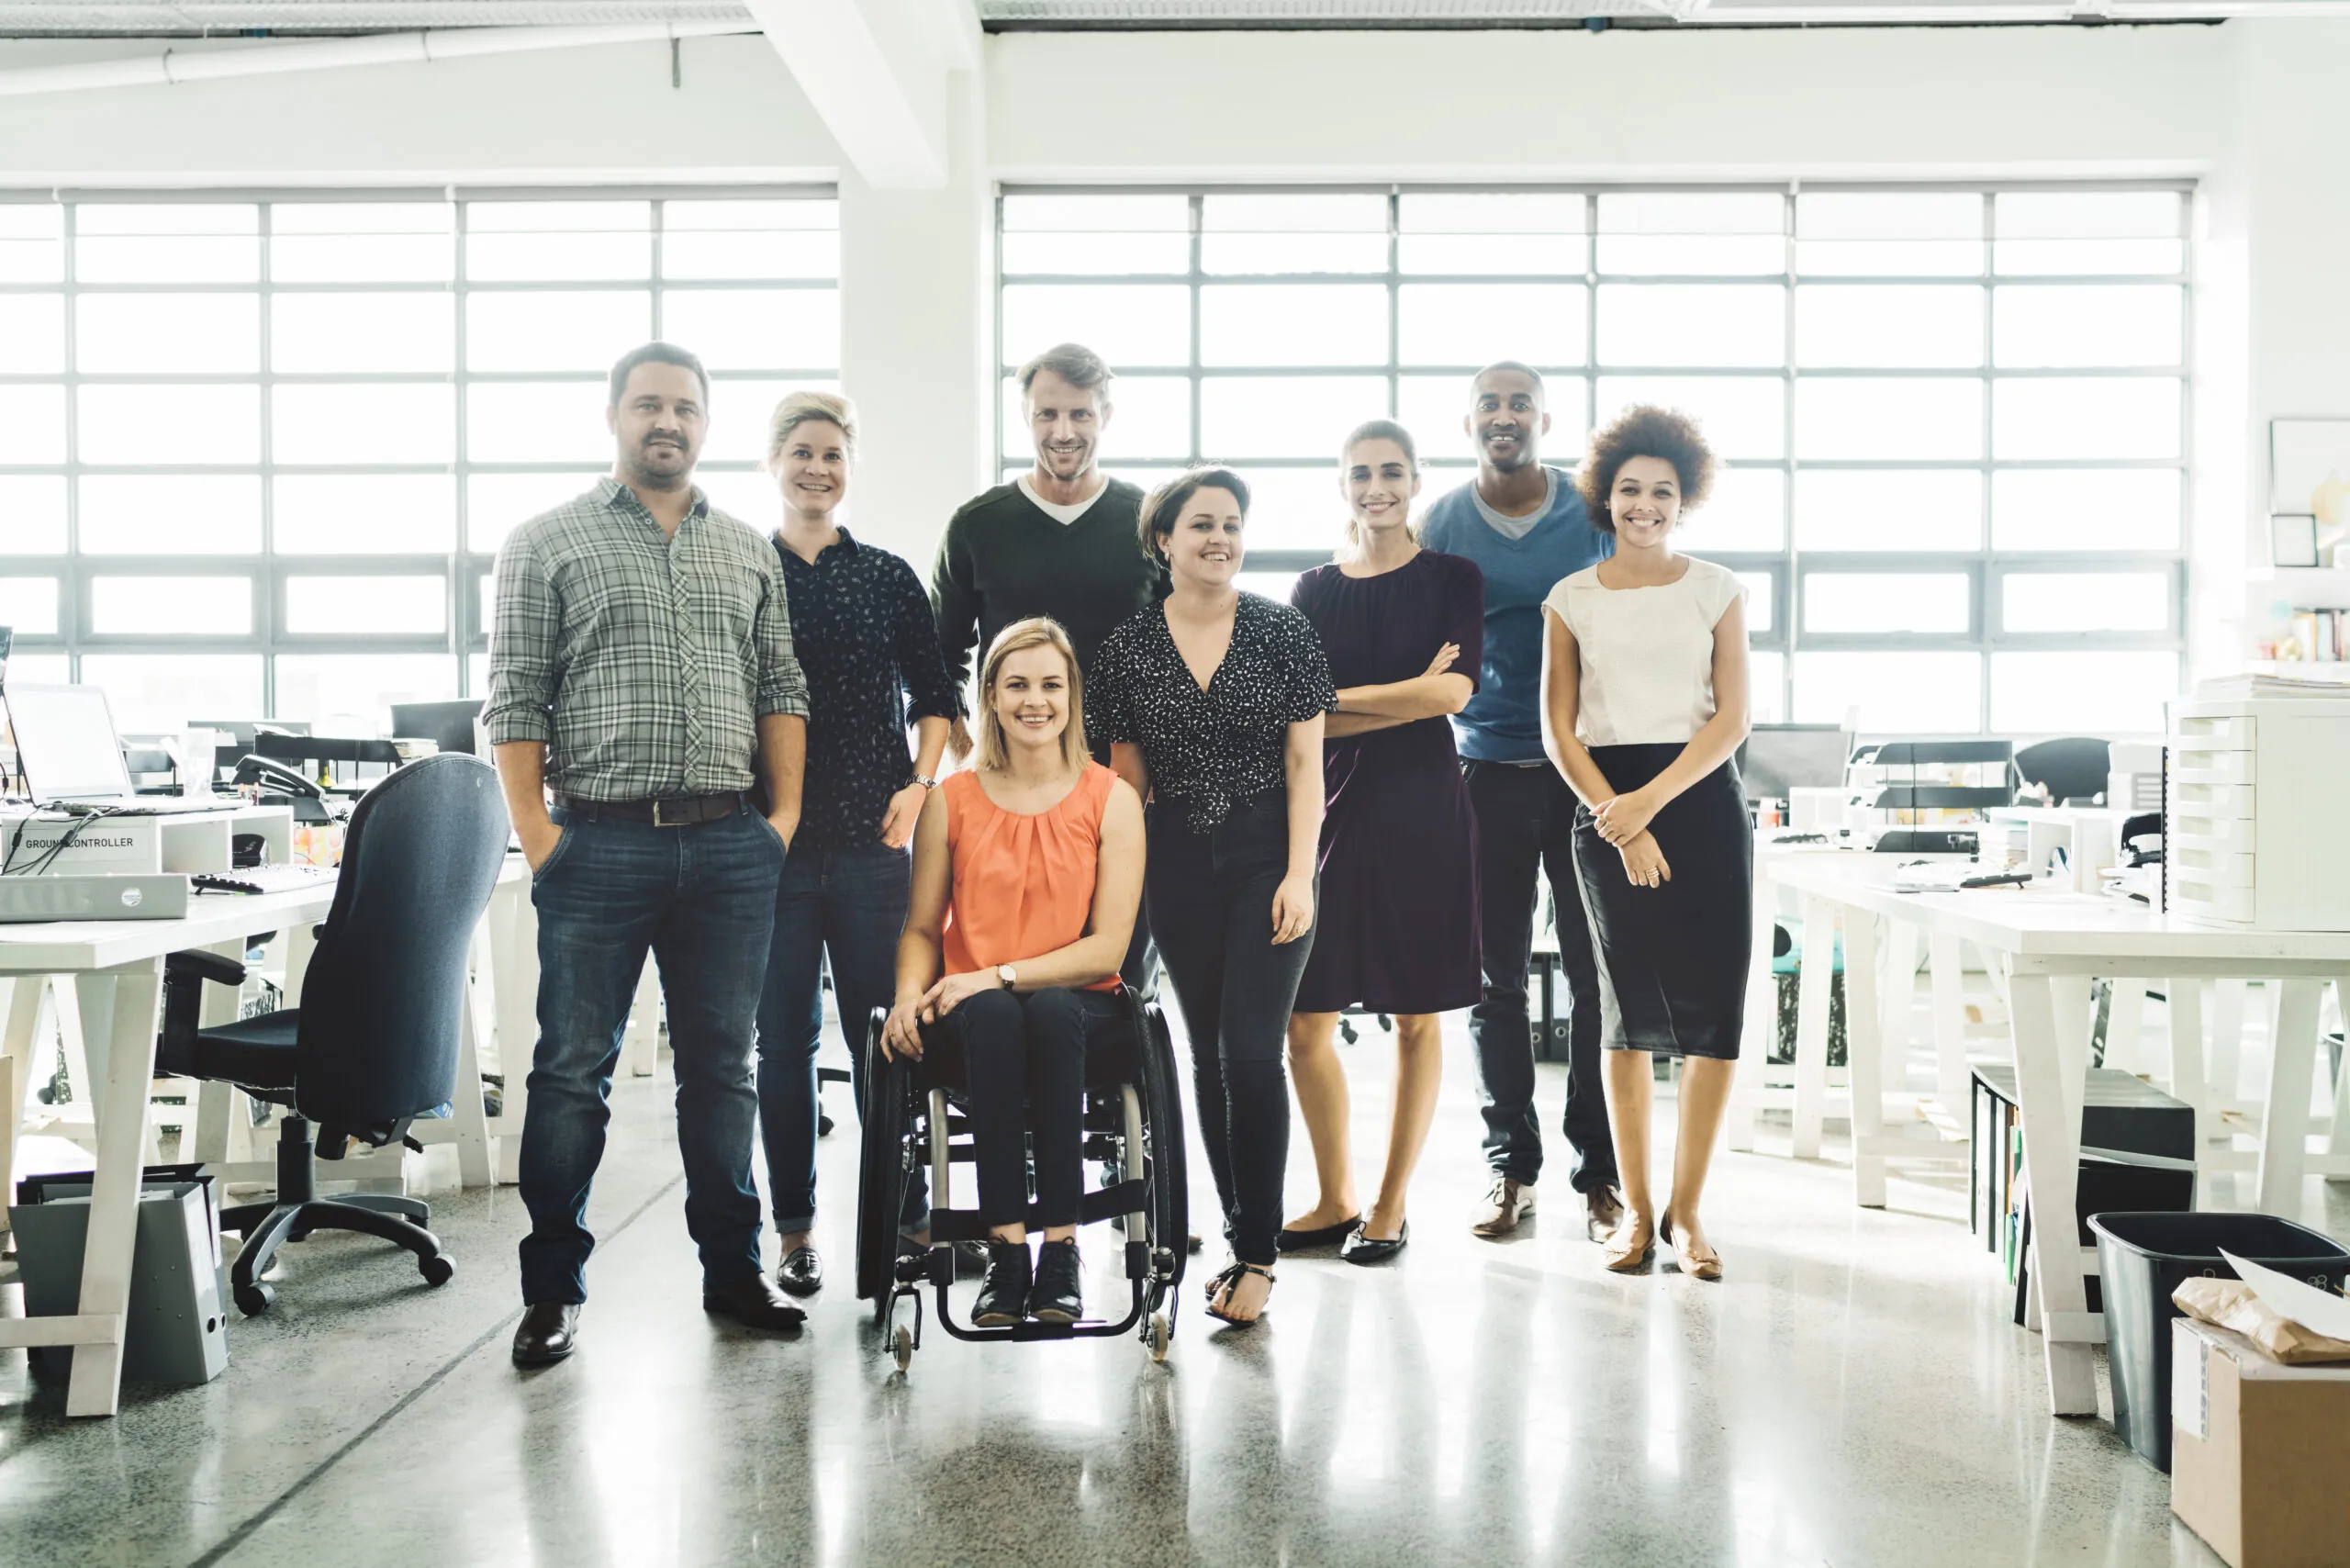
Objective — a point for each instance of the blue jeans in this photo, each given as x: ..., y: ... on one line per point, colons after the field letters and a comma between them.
x: 847, y: 906
x: 702, y: 899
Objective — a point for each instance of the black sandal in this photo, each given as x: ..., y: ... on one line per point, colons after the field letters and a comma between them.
x: 1231, y: 1276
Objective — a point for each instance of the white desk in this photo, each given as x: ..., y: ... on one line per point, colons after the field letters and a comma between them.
x: 128, y: 953
x: 2051, y: 944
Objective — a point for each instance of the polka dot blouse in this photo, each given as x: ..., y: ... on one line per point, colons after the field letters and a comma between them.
x: 1209, y: 749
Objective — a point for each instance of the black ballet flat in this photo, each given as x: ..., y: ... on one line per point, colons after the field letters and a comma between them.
x: 1320, y: 1236
x: 1361, y: 1249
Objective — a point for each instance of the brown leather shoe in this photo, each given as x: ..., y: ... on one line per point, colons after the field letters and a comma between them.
x: 548, y: 1332
x: 1602, y: 1212
x: 1508, y: 1202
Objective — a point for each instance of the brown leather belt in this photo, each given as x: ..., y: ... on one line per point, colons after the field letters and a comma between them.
x: 678, y: 811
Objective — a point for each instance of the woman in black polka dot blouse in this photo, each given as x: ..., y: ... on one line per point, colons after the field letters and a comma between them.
x: 1213, y: 700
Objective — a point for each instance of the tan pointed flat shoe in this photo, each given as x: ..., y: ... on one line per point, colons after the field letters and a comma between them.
x: 1630, y: 1248
x: 1698, y: 1265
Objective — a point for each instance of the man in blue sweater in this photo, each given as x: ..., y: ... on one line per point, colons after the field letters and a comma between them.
x: 1524, y: 525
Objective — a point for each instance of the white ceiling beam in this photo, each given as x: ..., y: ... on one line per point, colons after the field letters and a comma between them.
x: 875, y: 72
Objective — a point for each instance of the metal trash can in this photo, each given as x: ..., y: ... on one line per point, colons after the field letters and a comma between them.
x: 2142, y: 1258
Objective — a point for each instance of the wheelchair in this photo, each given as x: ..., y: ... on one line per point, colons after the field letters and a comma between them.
x: 1134, y: 1124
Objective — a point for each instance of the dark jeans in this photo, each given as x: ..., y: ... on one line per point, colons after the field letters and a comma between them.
x: 1211, y: 898
x: 1025, y: 1070
x: 702, y: 899
x: 846, y: 907
x: 1525, y: 822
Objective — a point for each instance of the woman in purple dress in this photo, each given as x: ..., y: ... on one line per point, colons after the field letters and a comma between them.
x: 1405, y: 630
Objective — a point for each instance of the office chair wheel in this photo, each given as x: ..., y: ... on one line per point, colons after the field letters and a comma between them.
x: 824, y: 1124
x: 901, y: 1345
x: 253, y: 1300
x: 437, y: 1270
x: 1157, y: 1335
x: 1347, y: 1030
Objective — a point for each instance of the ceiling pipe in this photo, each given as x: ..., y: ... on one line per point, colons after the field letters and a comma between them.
x: 380, y: 48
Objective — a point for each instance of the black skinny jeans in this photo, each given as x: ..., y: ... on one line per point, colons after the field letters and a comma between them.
x: 1211, y: 897
x: 1024, y: 1056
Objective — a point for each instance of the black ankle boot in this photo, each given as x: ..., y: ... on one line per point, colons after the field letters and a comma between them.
x: 1003, y: 1293
x: 1058, y: 1294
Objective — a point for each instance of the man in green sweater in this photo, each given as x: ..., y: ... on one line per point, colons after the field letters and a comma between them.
x: 1059, y: 541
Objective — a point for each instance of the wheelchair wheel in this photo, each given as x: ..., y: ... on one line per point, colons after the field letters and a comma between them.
x: 1162, y: 1108
x: 881, y: 1180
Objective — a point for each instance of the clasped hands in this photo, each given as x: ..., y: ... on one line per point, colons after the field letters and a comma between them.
x: 902, y: 1031
x: 1624, y: 823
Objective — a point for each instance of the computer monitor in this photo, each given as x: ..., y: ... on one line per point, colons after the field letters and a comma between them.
x: 449, y: 725
x: 1777, y: 759
x: 66, y: 744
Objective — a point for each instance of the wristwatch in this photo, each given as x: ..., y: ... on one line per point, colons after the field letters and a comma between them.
x: 925, y: 781
x: 1004, y: 973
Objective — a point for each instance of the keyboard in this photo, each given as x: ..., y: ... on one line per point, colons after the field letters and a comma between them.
x: 263, y: 880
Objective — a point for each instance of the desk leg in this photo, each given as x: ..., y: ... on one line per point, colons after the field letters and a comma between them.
x: 1864, y: 1049
x: 1762, y: 1018
x: 2284, y: 1129
x: 1814, y: 983
x: 95, y: 1388
x: 2222, y: 1059
x: 641, y: 1050
x: 1900, y: 1001
x: 2125, y: 1022
x: 466, y: 1106
x: 2049, y: 1089
x: 514, y: 954
x: 15, y: 1077
x: 2186, y: 1056
x: 2337, y: 1135
x: 1947, y: 960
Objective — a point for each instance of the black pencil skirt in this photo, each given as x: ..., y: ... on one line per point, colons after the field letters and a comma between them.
x: 1672, y: 958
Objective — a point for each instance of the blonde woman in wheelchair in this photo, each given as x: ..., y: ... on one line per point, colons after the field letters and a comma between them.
x: 1028, y: 873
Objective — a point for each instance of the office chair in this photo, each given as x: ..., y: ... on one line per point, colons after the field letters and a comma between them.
x: 375, y: 1043
x: 2073, y: 768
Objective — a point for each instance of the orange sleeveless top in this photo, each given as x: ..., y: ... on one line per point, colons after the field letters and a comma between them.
x: 1024, y: 885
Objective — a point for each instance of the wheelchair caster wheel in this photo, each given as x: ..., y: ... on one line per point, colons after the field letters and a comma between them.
x: 253, y: 1300
x: 437, y: 1271
x: 902, y: 1346
x: 823, y: 1125
x: 1157, y: 1335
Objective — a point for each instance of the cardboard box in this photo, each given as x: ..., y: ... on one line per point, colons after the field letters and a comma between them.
x: 2257, y: 1451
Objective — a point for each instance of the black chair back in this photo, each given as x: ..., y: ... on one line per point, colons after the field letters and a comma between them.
x: 2073, y: 768
x: 385, y: 990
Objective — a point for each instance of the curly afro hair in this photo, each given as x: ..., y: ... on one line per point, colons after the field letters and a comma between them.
x: 1645, y: 430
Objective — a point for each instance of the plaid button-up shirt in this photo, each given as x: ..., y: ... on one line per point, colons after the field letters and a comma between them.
x: 644, y: 662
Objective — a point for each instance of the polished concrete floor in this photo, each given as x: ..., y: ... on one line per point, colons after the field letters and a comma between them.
x: 1850, y: 1394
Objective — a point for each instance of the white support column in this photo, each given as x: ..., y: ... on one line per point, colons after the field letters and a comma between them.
x: 1950, y: 1071
x: 641, y: 1045
x: 1814, y: 985
x: 2284, y: 1130
x: 1762, y: 1017
x: 97, y: 1382
x: 876, y: 71
x: 1865, y: 1050
x: 2048, y: 1091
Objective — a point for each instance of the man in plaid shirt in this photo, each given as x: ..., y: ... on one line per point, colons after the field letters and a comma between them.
x: 641, y: 668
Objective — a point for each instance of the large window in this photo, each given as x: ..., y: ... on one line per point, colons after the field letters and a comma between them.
x: 1954, y: 419
x: 260, y: 452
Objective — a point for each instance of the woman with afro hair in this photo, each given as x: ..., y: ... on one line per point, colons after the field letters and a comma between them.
x: 1644, y: 691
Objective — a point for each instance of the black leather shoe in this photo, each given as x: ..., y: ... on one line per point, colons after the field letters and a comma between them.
x: 753, y: 1301
x: 1004, y: 1294
x: 1058, y: 1294
x: 802, y: 1273
x: 548, y: 1332
x: 1361, y: 1249
x: 1317, y: 1236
